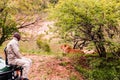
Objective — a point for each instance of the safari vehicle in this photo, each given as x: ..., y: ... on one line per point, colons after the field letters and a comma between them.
x: 8, y: 71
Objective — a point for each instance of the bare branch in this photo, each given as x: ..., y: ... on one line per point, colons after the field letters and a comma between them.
x: 1, y: 9
x: 23, y: 26
x: 21, y: 18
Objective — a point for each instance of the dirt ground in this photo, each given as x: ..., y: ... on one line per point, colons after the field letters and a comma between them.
x: 46, y: 67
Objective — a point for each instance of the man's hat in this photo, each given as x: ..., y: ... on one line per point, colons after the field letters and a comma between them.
x: 17, y: 35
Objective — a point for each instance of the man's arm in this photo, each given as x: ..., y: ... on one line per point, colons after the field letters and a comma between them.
x: 16, y: 51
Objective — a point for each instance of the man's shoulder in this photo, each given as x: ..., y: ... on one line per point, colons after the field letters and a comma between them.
x: 12, y: 42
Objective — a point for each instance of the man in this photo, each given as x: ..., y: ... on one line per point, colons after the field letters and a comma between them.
x: 15, y: 57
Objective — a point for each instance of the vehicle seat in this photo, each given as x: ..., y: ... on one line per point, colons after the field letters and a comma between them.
x: 15, y: 67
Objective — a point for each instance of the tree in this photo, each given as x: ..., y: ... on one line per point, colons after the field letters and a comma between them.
x: 7, y: 24
x: 95, y: 21
x: 16, y: 14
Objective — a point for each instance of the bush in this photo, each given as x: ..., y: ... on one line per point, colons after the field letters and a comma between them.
x: 83, y: 71
x: 43, y: 44
x: 104, y: 74
x: 99, y: 68
x: 105, y: 69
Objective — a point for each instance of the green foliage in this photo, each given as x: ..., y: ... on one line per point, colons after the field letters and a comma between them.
x: 15, y: 13
x: 53, y: 1
x: 90, y: 20
x: 73, y: 77
x: 43, y: 44
x: 63, y: 63
x: 83, y: 71
x: 113, y: 46
x: 100, y: 68
x: 105, y: 69
x: 104, y: 74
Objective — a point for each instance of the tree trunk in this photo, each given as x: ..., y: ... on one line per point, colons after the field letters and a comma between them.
x: 75, y: 44
x: 100, y: 49
x: 99, y: 44
x: 2, y: 39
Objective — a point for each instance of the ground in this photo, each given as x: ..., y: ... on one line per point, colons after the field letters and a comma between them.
x: 47, y: 67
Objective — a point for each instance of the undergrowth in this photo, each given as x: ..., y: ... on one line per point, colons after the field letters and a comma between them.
x: 93, y: 67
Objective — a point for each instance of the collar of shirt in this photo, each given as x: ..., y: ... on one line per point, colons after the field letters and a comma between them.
x: 15, y: 39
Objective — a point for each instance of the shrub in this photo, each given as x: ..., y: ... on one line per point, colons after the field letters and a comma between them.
x: 99, y: 68
x: 82, y: 70
x: 43, y: 44
x: 104, y: 74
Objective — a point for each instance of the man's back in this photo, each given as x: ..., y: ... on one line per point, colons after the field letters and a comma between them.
x: 15, y: 58
x: 13, y: 50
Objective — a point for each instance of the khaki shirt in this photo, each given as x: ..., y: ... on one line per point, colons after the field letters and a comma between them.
x: 13, y: 51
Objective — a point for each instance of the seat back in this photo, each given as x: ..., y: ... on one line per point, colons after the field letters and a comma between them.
x: 6, y: 59
x: 14, y: 67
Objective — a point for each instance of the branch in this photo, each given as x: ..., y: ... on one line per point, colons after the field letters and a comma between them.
x: 23, y: 26
x: 82, y: 44
x: 116, y: 55
x: 75, y: 44
x: 1, y: 9
x: 21, y: 19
